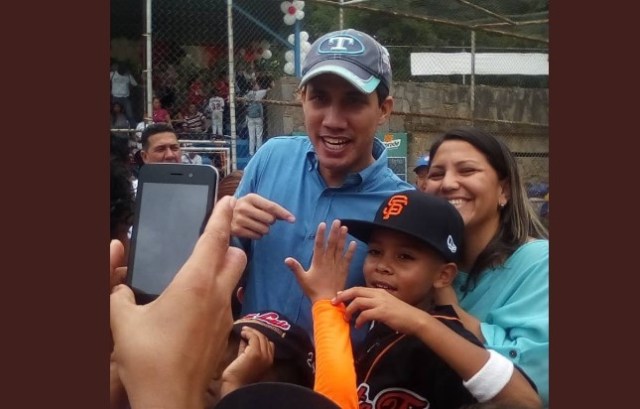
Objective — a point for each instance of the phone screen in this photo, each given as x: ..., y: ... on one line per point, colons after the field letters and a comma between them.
x: 170, y: 218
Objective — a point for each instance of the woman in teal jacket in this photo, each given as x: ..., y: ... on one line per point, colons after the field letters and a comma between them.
x: 502, y: 291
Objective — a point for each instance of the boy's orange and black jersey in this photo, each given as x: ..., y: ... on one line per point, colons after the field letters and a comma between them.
x: 395, y: 370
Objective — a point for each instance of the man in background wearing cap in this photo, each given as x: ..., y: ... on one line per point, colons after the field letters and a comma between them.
x: 422, y: 170
x: 338, y: 170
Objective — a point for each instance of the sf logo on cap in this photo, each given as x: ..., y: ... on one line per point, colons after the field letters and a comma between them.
x: 394, y: 206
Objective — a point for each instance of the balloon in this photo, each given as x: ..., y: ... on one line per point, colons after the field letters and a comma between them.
x: 304, y: 36
x: 264, y: 44
x: 284, y: 6
x: 289, y: 68
x: 288, y: 56
x: 266, y: 54
x: 291, y: 38
x: 299, y: 14
x: 298, y: 4
x: 289, y: 19
x: 305, y: 46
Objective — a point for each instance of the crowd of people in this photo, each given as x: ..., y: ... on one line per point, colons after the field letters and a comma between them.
x: 199, y: 111
x: 343, y: 281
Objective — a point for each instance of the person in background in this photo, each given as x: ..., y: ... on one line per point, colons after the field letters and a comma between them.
x: 216, y: 109
x: 119, y: 120
x: 501, y: 293
x: 195, y: 123
x: 422, y: 170
x: 191, y: 158
x: 160, y: 144
x: 121, y: 82
x: 221, y: 84
x: 160, y: 115
x: 255, y: 116
x: 195, y: 94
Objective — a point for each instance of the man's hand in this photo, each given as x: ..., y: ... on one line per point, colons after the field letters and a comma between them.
x: 167, y: 351
x: 117, y: 274
x: 329, y: 265
x: 253, y: 214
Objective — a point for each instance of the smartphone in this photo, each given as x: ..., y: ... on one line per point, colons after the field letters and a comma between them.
x: 173, y: 203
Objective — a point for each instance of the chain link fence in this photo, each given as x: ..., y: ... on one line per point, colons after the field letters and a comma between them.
x: 454, y: 62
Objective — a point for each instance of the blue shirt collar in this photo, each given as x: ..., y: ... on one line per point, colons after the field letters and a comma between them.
x: 356, y: 178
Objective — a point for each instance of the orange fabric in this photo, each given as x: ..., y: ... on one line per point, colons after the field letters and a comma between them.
x: 335, y: 369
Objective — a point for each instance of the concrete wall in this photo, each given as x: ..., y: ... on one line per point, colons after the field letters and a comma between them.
x: 496, y: 107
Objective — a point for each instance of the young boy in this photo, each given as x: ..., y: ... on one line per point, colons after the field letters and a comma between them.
x: 416, y: 354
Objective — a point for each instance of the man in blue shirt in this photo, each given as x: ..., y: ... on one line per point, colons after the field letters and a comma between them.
x: 338, y: 171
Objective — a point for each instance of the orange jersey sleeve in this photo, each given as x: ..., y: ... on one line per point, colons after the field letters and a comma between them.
x: 335, y: 369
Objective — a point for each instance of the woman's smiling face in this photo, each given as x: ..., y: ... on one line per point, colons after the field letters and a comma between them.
x: 462, y: 174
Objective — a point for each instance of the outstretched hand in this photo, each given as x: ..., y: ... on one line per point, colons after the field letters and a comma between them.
x: 168, y: 350
x: 329, y: 265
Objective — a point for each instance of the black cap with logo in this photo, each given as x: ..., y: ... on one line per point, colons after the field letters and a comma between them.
x: 428, y: 218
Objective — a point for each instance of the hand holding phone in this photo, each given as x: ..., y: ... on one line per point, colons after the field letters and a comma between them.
x: 173, y: 203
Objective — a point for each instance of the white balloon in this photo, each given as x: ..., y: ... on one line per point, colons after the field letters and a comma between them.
x: 291, y: 39
x: 298, y: 4
x: 306, y: 46
x: 303, y: 55
x: 266, y: 54
x: 304, y: 36
x: 284, y: 6
x: 289, y: 19
x: 288, y: 56
x: 299, y: 14
x: 264, y: 44
x: 289, y: 68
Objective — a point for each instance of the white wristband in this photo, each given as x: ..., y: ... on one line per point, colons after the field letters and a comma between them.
x: 491, y: 378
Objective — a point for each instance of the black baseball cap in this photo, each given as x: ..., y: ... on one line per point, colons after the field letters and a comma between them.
x: 353, y: 55
x: 428, y: 218
x: 275, y: 395
x: 290, y: 340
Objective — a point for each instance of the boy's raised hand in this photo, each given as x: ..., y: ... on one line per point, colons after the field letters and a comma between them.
x: 329, y: 265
